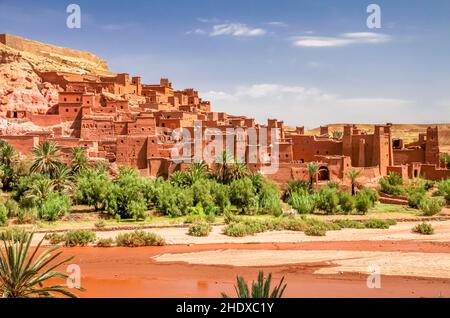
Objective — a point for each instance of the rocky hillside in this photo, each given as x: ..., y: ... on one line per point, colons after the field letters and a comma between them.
x: 21, y: 60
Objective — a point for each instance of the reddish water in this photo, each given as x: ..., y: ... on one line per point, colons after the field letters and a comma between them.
x: 127, y: 272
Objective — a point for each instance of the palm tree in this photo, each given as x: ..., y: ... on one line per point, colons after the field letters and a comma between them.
x: 40, y: 189
x: 353, y: 175
x: 313, y: 168
x: 237, y: 171
x: 197, y: 171
x: 445, y: 159
x: 223, y: 164
x: 62, y: 178
x: 79, y: 160
x: 260, y: 288
x: 46, y: 158
x: 8, y: 154
x: 23, y: 273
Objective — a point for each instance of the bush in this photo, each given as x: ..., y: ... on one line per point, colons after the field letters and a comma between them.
x: 378, y: 224
x: 392, y: 184
x: 303, y: 203
x: 12, y: 207
x: 104, y: 242
x: 349, y: 224
x: 316, y: 231
x: 296, y: 186
x: 346, y: 202
x: 79, y: 238
x: 55, y: 207
x: 236, y: 230
x: 430, y: 206
x: 363, y: 203
x: 372, y: 194
x: 269, y: 199
x: 242, y: 194
x: 199, y: 229
x: 444, y: 189
x: 92, y: 187
x: 328, y: 200
x: 415, y: 198
x: 100, y: 224
x: 54, y: 238
x: 15, y: 234
x: 27, y: 216
x: 139, y: 239
x: 3, y: 215
x: 173, y: 201
x: 423, y: 228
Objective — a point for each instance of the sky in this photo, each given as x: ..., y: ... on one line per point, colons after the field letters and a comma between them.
x: 307, y: 62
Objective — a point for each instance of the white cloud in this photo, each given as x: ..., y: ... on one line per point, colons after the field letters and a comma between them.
x: 197, y: 31
x: 311, y: 106
x: 236, y: 29
x: 277, y: 24
x: 342, y: 40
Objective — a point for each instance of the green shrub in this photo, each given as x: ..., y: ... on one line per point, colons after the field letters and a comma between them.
x: 104, y: 242
x: 200, y: 229
x: 415, y: 198
x: 430, y: 206
x: 236, y: 230
x: 392, y: 184
x: 423, y: 228
x: 349, y: 224
x: 378, y: 224
x: 242, y: 194
x: 27, y: 215
x: 296, y: 186
x: 303, y: 203
x: 92, y: 186
x: 3, y: 215
x: 54, y: 238
x: 293, y: 224
x: 372, y: 194
x: 173, y: 201
x: 328, y: 200
x: 139, y: 239
x: 55, y: 207
x: 79, y: 238
x: 346, y: 202
x: 269, y: 199
x: 444, y: 189
x: 100, y: 224
x: 15, y: 234
x: 362, y: 203
x: 316, y: 231
x: 12, y: 207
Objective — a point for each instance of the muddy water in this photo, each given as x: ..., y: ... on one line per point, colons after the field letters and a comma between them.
x: 127, y: 272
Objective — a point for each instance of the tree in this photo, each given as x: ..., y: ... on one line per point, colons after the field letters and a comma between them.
x: 259, y: 289
x: 92, y: 187
x: 445, y: 159
x: 197, y: 171
x: 39, y: 189
x: 8, y: 165
x: 353, y: 175
x: 62, y: 178
x: 79, y: 160
x: 23, y: 273
x: 223, y: 163
x: 46, y: 158
x: 313, y: 169
x: 237, y: 171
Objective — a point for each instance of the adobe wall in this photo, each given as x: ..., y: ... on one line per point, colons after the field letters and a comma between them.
x: 406, y: 156
x: 22, y: 144
x: 45, y: 120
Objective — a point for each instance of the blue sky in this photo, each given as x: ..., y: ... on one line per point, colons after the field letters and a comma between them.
x: 307, y: 62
